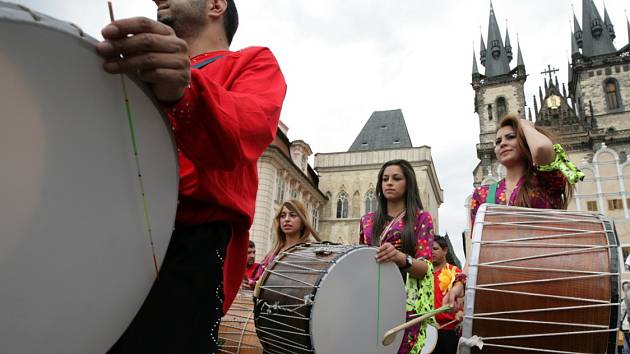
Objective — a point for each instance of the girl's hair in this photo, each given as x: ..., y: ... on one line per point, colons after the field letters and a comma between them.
x: 412, y: 205
x: 305, y: 231
x: 441, y: 241
x: 522, y: 199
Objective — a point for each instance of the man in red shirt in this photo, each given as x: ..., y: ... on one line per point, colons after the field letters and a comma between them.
x: 224, y: 108
x: 443, y: 277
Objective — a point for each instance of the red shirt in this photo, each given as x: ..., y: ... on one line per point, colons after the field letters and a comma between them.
x: 250, y: 272
x: 442, y: 282
x: 226, y: 119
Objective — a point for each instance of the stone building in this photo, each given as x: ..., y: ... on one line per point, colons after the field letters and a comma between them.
x: 348, y: 179
x: 591, y: 117
x: 284, y: 173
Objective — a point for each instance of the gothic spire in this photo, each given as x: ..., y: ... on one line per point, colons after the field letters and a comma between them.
x: 577, y: 30
x: 497, y: 63
x: 519, y: 55
x: 608, y: 24
x: 475, y: 69
x: 574, y: 45
x: 628, y: 24
x: 508, y: 45
x: 482, y: 51
x: 596, y: 38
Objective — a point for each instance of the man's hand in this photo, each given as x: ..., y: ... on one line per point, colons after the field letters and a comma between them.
x: 152, y: 51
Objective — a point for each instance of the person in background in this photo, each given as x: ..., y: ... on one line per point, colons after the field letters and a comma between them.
x: 444, y: 275
x: 252, y: 267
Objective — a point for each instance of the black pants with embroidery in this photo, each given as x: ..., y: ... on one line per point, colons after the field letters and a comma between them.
x: 181, y: 315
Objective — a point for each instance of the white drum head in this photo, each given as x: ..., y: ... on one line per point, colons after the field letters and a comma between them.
x: 75, y: 258
x: 431, y: 340
x: 344, y: 318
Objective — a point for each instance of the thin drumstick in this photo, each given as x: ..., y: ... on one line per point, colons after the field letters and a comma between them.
x: 390, y: 335
x: 132, y: 132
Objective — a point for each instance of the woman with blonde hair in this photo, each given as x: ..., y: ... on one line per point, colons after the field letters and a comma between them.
x: 292, y: 228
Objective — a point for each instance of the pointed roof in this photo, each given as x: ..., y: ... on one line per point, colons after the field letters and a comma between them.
x: 475, y: 69
x: 576, y: 24
x: 508, y: 45
x: 519, y: 56
x: 497, y: 62
x: 628, y: 23
x: 609, y: 25
x: 574, y: 46
x: 384, y: 130
x: 596, y: 40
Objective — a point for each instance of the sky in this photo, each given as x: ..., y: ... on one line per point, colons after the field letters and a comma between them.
x: 342, y: 60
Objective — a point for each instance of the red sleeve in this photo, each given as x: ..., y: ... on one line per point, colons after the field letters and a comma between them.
x: 479, y: 197
x: 219, y: 127
x: 551, y: 182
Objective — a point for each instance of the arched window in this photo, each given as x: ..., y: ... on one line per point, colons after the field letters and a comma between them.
x: 501, y: 107
x: 489, y: 112
x: 342, y: 205
x: 370, y: 201
x: 315, y: 218
x: 611, y: 90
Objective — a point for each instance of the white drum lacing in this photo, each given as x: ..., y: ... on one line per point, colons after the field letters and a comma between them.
x: 538, y: 223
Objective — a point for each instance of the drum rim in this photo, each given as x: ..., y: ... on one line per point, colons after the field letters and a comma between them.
x: 471, y: 281
x: 85, y: 40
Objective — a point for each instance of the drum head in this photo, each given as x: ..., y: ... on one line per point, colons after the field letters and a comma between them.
x: 430, y: 341
x: 75, y: 258
x: 350, y: 315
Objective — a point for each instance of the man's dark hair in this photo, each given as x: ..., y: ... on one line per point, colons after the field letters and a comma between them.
x: 230, y: 20
x: 441, y: 241
x: 252, y: 244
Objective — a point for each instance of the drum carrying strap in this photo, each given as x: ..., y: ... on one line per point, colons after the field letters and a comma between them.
x: 203, y: 63
x: 492, y: 193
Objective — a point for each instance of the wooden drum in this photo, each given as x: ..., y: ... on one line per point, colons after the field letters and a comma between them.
x: 237, y: 333
x: 544, y: 281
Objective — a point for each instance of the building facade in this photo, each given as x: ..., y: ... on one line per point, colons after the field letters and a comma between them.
x: 590, y: 114
x: 348, y: 179
x: 284, y: 173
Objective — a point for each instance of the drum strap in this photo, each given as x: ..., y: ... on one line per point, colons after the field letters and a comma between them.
x: 492, y: 192
x: 203, y: 63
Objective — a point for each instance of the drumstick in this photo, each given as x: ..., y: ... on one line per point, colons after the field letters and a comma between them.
x: 132, y: 132
x: 390, y: 335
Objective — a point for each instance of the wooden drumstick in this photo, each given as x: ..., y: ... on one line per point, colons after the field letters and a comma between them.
x: 390, y: 335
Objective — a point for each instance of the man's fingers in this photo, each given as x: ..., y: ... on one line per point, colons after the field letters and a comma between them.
x: 145, y: 62
x: 135, y: 25
x: 141, y: 43
x: 163, y: 75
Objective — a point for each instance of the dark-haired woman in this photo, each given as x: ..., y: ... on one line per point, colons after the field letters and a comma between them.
x: 403, y: 233
x: 538, y: 175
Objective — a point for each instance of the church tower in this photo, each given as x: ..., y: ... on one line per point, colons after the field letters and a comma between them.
x: 599, y: 76
x: 499, y: 91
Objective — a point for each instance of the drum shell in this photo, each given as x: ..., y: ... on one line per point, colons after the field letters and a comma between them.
x: 237, y: 332
x: 561, y: 231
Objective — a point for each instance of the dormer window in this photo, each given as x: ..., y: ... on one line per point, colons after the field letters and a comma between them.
x: 596, y: 28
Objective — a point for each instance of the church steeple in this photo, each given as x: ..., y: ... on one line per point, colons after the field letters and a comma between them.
x: 508, y: 45
x: 628, y: 24
x: 497, y: 62
x: 475, y: 69
x: 596, y: 36
x: 578, y: 34
x: 482, y: 51
x: 609, y: 25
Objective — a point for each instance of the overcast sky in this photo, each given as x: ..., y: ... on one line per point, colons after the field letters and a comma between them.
x: 345, y: 59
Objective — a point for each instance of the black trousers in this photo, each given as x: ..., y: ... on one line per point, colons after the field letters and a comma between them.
x: 447, y: 342
x: 182, y: 312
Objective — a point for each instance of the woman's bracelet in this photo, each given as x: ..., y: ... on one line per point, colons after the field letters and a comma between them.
x: 461, y: 277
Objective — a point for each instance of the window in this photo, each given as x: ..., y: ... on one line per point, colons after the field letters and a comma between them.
x: 612, y: 94
x: 591, y: 205
x: 315, y: 218
x: 501, y: 107
x: 615, y: 204
x: 281, y: 186
x: 371, y: 203
x: 489, y: 112
x: 342, y: 205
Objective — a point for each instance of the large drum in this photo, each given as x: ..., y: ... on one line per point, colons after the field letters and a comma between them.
x: 76, y: 255
x: 329, y: 299
x: 237, y: 333
x: 542, y: 281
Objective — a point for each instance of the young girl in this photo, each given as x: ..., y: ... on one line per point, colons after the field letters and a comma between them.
x: 538, y: 175
x: 403, y: 233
